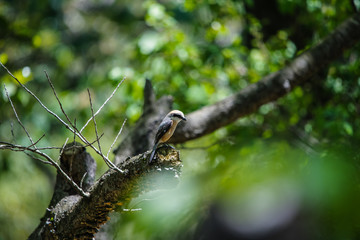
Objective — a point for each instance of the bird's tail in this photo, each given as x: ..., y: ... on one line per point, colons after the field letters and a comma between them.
x: 153, y: 152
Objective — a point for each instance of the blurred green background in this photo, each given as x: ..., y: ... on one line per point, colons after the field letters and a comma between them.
x: 294, y: 162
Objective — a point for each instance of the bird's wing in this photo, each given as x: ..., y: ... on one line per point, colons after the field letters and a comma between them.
x: 163, y: 128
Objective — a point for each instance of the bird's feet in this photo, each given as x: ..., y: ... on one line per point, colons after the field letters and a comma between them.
x: 166, y: 145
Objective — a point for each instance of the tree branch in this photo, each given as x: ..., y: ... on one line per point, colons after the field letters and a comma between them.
x: 77, y: 163
x: 117, y: 136
x: 106, y: 101
x: 271, y: 87
x: 75, y: 217
x: 17, y: 118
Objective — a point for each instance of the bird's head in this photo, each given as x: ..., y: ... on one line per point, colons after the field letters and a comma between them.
x: 176, y: 115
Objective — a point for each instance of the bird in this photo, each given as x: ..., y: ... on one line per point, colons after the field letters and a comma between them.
x: 166, y: 129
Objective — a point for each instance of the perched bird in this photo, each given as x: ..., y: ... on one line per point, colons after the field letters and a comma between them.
x: 166, y: 129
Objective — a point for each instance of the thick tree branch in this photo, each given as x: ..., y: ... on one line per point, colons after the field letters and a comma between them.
x: 81, y: 167
x: 248, y: 100
x: 76, y: 217
x: 271, y: 87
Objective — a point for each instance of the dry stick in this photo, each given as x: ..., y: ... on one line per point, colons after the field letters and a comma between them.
x: 37, y: 159
x: 14, y: 147
x: 82, y: 179
x: 93, y: 118
x: 37, y: 99
x: 12, y: 131
x: 61, y: 153
x: 96, y: 131
x: 46, y: 148
x: 58, y: 100
x: 33, y: 145
x: 74, y: 133
x: 107, y: 161
x: 73, y: 149
x: 62, y: 150
x: 97, y: 112
x: 35, y: 149
x: 17, y: 117
x: 61, y: 107
x: 19, y: 148
x: 78, y: 134
x: 112, y: 145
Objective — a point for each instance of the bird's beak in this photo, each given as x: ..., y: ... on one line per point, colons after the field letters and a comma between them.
x: 184, y: 118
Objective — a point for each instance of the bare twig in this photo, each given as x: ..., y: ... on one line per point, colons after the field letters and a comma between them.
x: 96, y: 131
x: 106, y: 159
x: 37, y: 159
x: 33, y: 144
x: 112, y: 145
x: 93, y: 118
x: 59, y: 148
x: 17, y: 117
x: 75, y: 134
x: 19, y: 148
x: 58, y: 100
x: 75, y: 131
x: 97, y: 112
x: 82, y: 179
x: 33, y: 147
x: 12, y: 131
x: 62, y: 150
x: 37, y: 99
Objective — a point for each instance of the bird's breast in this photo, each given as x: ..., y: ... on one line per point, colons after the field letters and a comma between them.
x: 169, y: 133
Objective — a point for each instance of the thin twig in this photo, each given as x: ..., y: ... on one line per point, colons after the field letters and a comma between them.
x: 12, y: 131
x: 82, y: 179
x: 17, y: 117
x: 48, y: 148
x: 37, y: 99
x: 33, y: 145
x: 112, y: 145
x: 71, y: 147
x: 97, y: 112
x: 76, y: 128
x: 15, y: 147
x: 93, y: 118
x: 106, y: 160
x: 75, y: 131
x: 58, y: 100
x: 62, y: 150
x: 37, y: 159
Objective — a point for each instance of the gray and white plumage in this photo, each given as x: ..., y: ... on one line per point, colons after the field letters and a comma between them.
x: 166, y: 129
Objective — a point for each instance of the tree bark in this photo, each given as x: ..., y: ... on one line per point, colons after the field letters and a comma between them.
x: 76, y: 217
